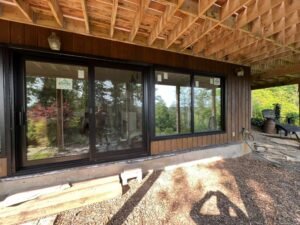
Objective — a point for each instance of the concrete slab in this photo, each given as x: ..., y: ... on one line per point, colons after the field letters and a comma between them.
x: 14, y: 185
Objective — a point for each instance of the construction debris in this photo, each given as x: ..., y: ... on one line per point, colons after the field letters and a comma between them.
x: 29, y: 195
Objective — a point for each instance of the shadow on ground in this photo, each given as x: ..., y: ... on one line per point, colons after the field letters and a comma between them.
x: 229, y: 212
x: 122, y: 214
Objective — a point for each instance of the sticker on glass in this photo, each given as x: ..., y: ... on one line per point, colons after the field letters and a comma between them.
x: 196, y: 83
x: 81, y: 74
x: 217, y: 81
x: 159, y: 78
x: 165, y: 76
x: 211, y: 80
x: 64, y: 83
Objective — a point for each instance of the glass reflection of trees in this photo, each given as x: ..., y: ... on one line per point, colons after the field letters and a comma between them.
x: 119, y: 102
x: 48, y: 134
x: 207, y: 105
x: 172, y: 103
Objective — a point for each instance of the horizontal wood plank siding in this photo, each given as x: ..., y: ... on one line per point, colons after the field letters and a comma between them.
x: 237, y: 90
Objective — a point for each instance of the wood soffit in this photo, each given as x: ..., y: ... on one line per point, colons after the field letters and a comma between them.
x: 263, y: 34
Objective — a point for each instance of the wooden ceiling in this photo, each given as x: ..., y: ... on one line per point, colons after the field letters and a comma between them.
x: 263, y: 34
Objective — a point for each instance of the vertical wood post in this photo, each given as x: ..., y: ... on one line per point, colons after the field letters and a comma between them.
x: 60, y: 121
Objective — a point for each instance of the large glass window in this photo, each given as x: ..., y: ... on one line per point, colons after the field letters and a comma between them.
x: 57, y: 108
x: 174, y: 112
x: 172, y: 103
x: 207, y: 104
x: 119, y: 109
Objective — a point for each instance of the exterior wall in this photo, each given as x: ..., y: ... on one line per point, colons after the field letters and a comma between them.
x: 237, y: 116
x: 237, y: 89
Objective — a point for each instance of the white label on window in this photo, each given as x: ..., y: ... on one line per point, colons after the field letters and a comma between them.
x: 196, y: 83
x: 64, y: 83
x: 217, y: 81
x: 159, y: 78
x: 81, y: 74
x: 165, y: 76
x: 211, y: 80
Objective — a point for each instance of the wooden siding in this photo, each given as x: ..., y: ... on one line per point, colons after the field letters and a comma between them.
x: 237, y: 88
x: 3, y: 167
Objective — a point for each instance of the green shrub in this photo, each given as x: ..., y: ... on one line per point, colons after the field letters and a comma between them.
x: 257, y: 122
x: 293, y: 117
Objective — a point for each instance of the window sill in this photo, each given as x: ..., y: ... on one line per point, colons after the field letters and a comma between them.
x: 197, y: 134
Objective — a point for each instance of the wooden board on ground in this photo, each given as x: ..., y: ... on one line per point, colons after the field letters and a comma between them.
x: 80, y: 194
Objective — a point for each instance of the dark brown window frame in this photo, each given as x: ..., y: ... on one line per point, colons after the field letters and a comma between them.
x: 192, y: 74
x: 91, y: 63
x: 149, y: 74
x: 2, y: 106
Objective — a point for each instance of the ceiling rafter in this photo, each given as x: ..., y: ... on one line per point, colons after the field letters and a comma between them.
x: 223, y: 42
x: 113, y: 17
x: 144, y: 4
x: 85, y: 15
x: 249, y: 32
x: 227, y: 10
x: 188, y: 7
x: 56, y: 11
x: 254, y: 10
x: 163, y: 21
x: 25, y: 9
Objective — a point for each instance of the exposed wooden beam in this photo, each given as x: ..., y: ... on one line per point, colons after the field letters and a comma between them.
x: 255, y: 85
x: 254, y: 10
x: 144, y: 4
x: 226, y: 11
x: 25, y: 9
x: 243, y: 43
x: 56, y: 11
x: 272, y: 55
x: 281, y: 71
x: 221, y: 43
x: 260, y: 50
x: 113, y: 17
x: 162, y: 22
x: 85, y: 15
x: 180, y: 29
x: 189, y: 20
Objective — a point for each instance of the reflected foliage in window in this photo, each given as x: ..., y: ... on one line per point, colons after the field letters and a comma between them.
x: 57, y: 106
x: 207, y: 104
x: 119, y: 107
x: 172, y: 103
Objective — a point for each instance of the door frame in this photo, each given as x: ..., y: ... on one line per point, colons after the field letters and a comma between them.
x: 20, y: 58
x: 128, y: 153
x: 21, y: 114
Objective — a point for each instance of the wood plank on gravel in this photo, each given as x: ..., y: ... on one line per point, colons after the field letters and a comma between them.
x: 80, y: 194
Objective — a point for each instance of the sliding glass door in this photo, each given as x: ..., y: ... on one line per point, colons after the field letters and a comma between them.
x: 56, y: 106
x: 118, y: 110
x: 69, y: 112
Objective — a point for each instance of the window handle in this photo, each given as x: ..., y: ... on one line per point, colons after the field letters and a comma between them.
x: 21, y: 119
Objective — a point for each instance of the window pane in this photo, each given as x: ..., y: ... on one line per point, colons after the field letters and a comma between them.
x: 57, y: 108
x: 119, y: 105
x: 207, y: 104
x: 172, y: 103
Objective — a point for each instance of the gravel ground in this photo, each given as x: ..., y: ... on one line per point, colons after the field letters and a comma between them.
x: 245, y: 190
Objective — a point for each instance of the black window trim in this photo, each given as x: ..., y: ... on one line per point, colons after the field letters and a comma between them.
x: 2, y: 108
x: 192, y: 74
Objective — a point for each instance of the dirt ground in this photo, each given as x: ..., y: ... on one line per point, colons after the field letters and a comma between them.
x: 245, y: 190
